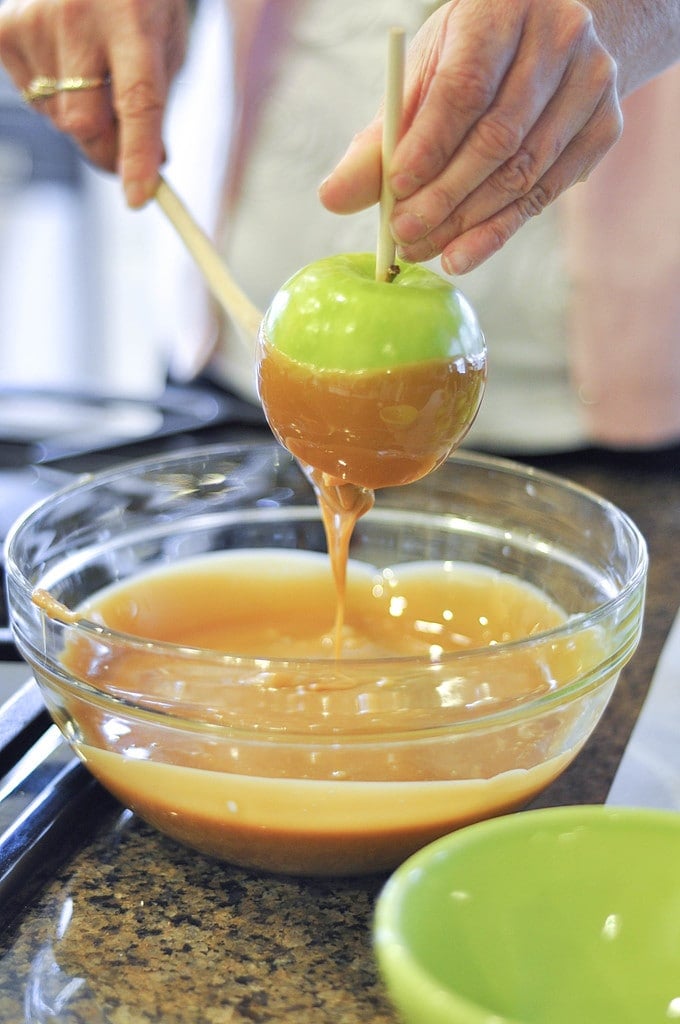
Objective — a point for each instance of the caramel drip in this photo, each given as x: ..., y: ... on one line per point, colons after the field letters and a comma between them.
x: 341, y: 505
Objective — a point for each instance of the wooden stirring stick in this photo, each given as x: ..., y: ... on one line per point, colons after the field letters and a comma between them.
x: 245, y: 316
x: 392, y: 115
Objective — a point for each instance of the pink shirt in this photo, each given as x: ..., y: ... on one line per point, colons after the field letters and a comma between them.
x: 623, y: 250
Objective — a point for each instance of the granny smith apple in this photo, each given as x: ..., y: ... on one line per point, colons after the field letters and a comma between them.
x: 371, y: 383
x: 334, y: 315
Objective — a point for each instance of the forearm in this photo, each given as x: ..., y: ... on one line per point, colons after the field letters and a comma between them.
x: 643, y: 37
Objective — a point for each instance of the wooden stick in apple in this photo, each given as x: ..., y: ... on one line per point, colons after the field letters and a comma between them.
x: 392, y: 115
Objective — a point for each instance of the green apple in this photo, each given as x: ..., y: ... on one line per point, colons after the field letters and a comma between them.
x: 370, y: 383
x: 334, y: 315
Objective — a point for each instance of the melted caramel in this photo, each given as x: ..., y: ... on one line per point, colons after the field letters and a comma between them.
x: 296, y: 798
x: 354, y: 432
x: 374, y: 428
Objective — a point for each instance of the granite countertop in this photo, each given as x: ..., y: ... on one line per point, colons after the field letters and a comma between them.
x: 134, y: 929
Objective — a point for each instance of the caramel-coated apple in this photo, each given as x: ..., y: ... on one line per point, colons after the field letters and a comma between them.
x: 371, y: 382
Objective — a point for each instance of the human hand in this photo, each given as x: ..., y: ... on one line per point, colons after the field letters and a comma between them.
x: 505, y: 106
x: 137, y: 46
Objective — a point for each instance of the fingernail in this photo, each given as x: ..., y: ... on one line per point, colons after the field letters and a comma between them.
x: 136, y: 194
x: 409, y: 227
x: 404, y: 185
x: 456, y: 263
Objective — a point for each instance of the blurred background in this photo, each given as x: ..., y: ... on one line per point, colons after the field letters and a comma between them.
x: 77, y: 288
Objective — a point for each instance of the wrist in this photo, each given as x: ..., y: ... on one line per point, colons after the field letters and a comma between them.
x: 642, y: 36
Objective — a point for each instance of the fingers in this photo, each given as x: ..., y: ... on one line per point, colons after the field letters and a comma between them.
x: 475, y: 241
x: 456, y: 82
x: 506, y: 106
x: 137, y: 45
x: 566, y: 142
x: 482, y: 225
x: 86, y: 115
x: 23, y: 40
x: 139, y: 98
x: 356, y: 181
x: 145, y: 51
x: 434, y: 125
x: 502, y: 136
x: 57, y: 39
x: 561, y: 85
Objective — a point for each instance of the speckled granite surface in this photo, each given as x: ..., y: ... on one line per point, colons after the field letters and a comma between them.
x: 133, y: 929
x: 136, y: 929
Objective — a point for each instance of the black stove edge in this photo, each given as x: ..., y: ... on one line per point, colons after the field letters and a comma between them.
x: 60, y: 805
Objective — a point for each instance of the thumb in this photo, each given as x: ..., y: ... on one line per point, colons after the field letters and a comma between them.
x: 354, y: 183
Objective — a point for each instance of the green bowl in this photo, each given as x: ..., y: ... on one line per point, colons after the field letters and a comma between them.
x: 568, y: 915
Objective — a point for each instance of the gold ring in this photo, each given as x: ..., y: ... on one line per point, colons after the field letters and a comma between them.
x: 42, y: 87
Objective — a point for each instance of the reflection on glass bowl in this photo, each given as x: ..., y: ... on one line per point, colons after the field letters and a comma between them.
x: 310, y: 764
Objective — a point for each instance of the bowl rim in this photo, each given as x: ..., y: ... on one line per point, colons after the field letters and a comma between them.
x: 390, y: 948
x: 499, y: 464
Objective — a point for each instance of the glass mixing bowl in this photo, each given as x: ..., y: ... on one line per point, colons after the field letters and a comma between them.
x: 318, y: 765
